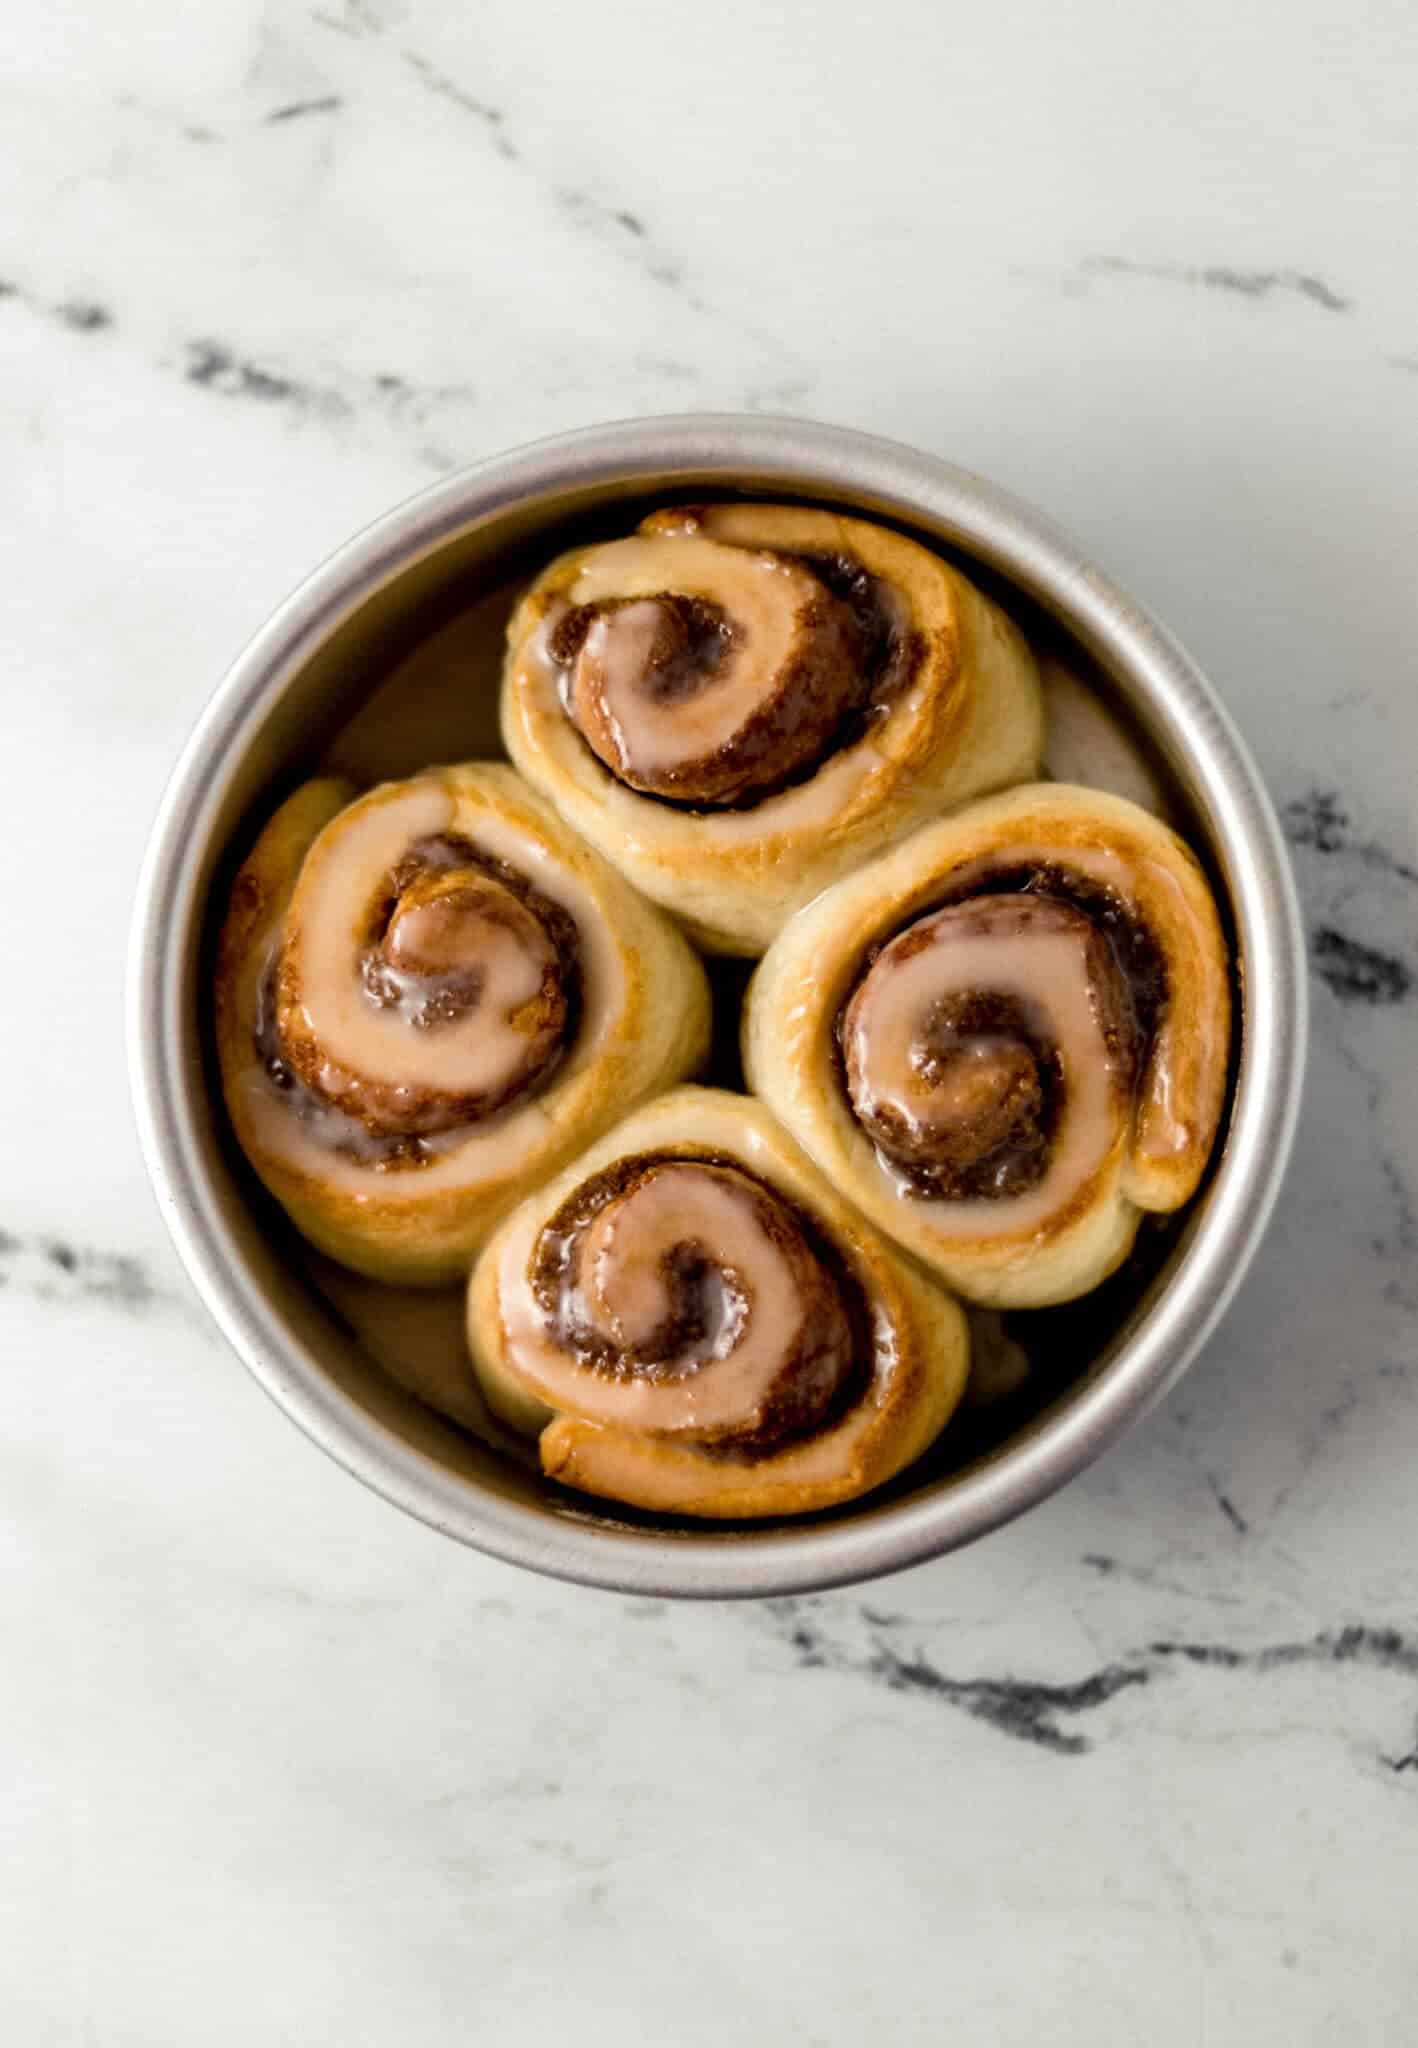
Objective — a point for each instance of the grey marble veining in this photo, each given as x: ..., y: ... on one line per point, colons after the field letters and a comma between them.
x: 285, y: 1766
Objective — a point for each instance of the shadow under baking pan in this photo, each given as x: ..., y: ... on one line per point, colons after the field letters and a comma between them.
x: 411, y: 679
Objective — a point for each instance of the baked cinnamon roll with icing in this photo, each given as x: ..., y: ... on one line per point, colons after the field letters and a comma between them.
x: 741, y: 703
x: 1006, y: 1039
x: 690, y: 1320
x: 428, y: 998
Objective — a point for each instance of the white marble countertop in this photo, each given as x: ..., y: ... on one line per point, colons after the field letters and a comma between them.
x: 284, y: 1766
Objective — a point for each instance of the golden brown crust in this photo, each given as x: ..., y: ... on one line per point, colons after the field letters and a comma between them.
x: 913, y: 1387
x: 1153, y: 1155
x: 964, y: 715
x: 643, y: 1025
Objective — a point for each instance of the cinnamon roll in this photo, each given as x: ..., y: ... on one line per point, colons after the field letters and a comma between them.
x: 430, y: 997
x: 690, y: 1319
x: 1006, y: 1039
x: 741, y: 703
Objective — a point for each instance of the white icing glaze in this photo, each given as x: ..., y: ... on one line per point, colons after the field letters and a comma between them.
x: 622, y: 1297
x: 650, y: 734
x: 611, y: 665
x: 308, y: 1142
x: 717, y: 1126
x: 818, y: 1459
x: 476, y: 1053
x: 1197, y: 1033
x: 1047, y: 971
x: 888, y: 1035
x: 806, y: 806
x: 810, y: 806
x: 768, y: 599
x: 648, y: 565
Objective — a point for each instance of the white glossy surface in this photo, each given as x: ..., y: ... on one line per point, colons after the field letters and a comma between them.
x: 285, y: 1766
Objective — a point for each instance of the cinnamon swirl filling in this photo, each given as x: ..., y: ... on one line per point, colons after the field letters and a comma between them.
x: 451, y: 994
x: 712, y: 675
x: 993, y: 1036
x: 685, y: 1298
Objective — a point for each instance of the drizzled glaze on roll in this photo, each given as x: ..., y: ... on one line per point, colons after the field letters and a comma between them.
x: 1008, y: 1038
x: 986, y: 1046
x: 703, y: 674
x: 683, y: 1296
x: 738, y: 703
x: 689, y: 1319
x: 455, y: 994
x: 429, y: 994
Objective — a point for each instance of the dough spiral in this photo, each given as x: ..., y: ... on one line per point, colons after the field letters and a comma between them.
x: 427, y: 996
x: 689, y: 1320
x: 1007, y: 1039
x: 740, y: 703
